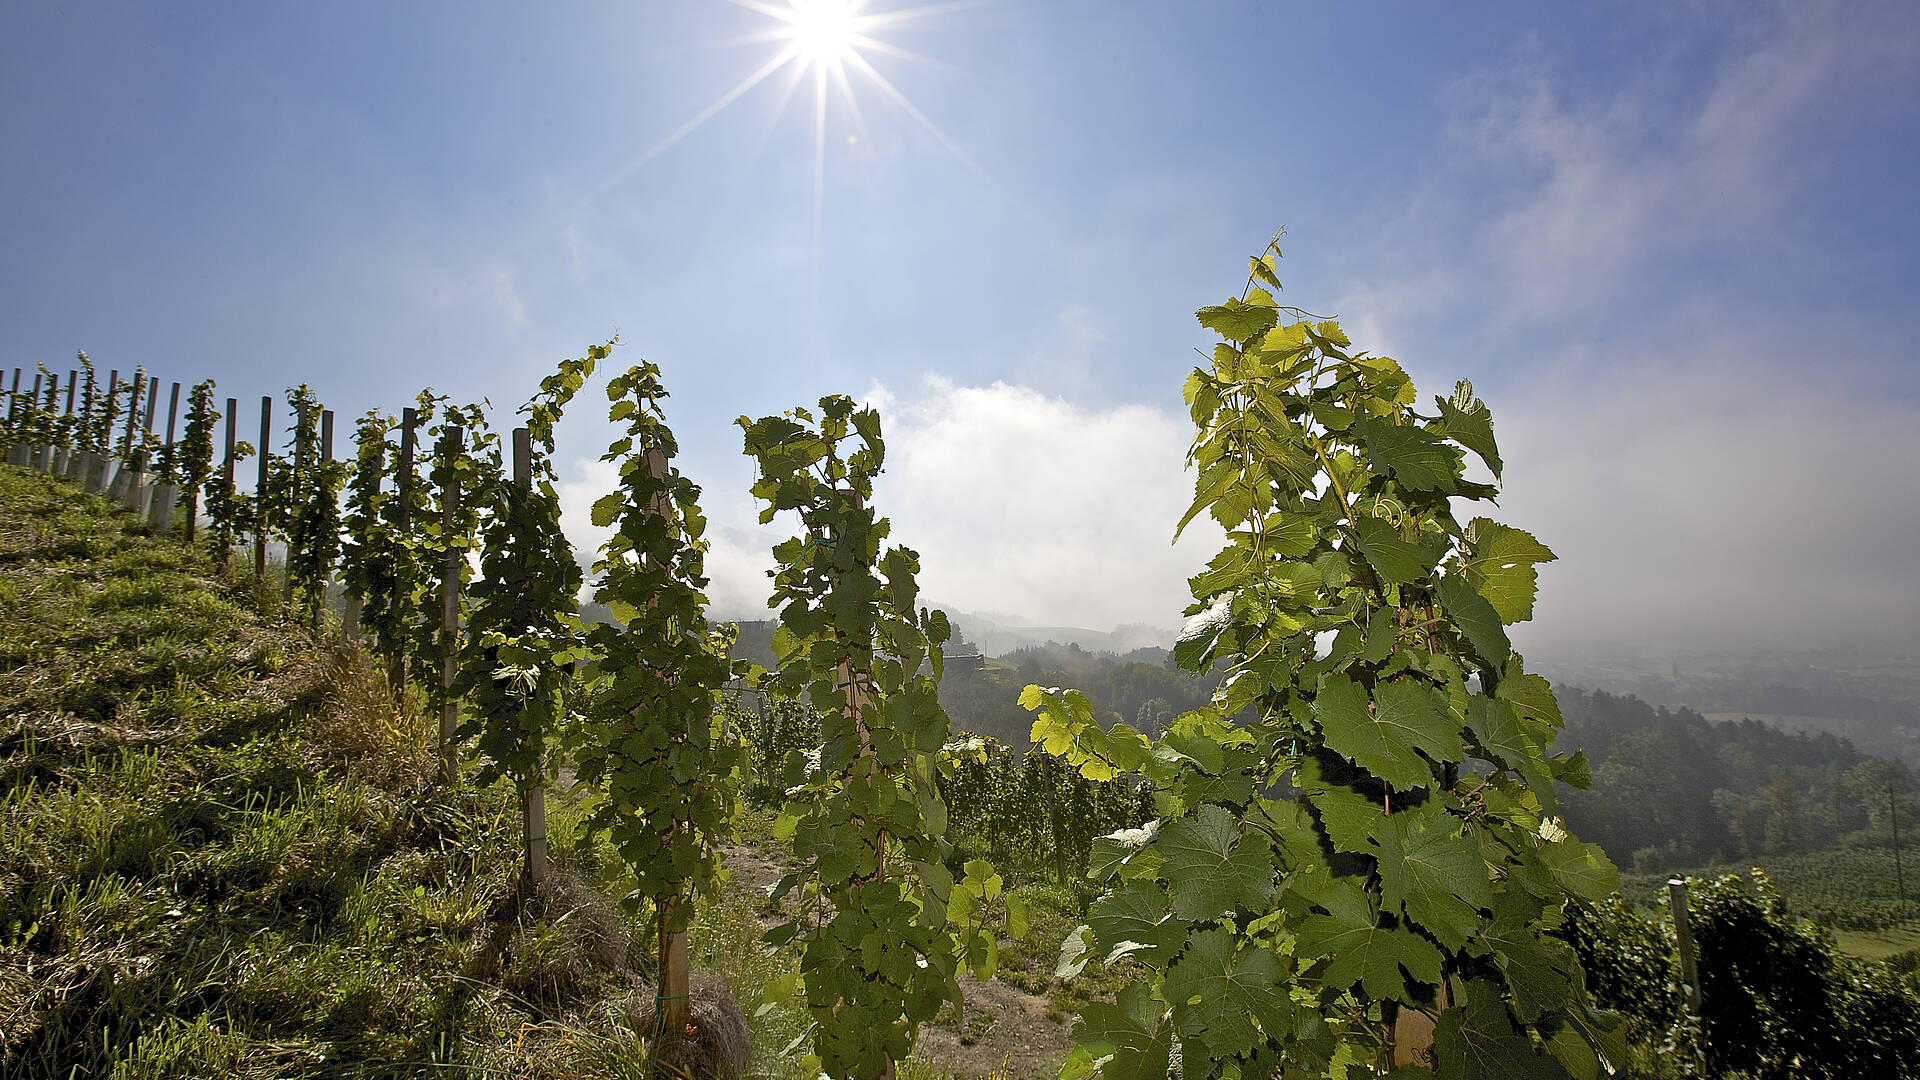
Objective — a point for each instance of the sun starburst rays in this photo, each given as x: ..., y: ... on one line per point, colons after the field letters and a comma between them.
x: 826, y: 40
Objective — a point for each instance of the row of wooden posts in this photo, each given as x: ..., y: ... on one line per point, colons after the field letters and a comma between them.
x: 126, y: 483
x: 102, y: 473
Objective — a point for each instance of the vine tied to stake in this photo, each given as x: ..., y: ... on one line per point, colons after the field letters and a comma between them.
x: 652, y: 737
x: 1394, y: 910
x: 867, y: 824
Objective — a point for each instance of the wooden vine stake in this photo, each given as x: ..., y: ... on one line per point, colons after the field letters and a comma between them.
x: 533, y: 800
x: 226, y: 473
x: 260, y: 491
x: 167, y: 491
x: 350, y: 619
x: 856, y: 686
x: 70, y: 453
x: 456, y: 438
x: 402, y: 525
x: 323, y: 490
x: 675, y: 1008
x: 302, y: 467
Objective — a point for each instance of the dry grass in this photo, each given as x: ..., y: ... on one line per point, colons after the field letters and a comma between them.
x: 362, y: 731
x: 713, y: 1045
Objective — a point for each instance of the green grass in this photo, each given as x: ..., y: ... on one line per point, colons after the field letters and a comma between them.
x: 1879, y: 944
x: 1841, y: 888
x: 221, y: 853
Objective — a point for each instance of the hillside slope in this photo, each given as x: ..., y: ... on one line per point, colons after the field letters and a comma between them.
x: 221, y: 853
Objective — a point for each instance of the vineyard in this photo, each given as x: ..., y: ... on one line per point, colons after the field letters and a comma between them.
x: 1845, y: 889
x: 1348, y: 861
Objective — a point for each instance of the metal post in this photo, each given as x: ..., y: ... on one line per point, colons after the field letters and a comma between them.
x: 129, y: 477
x: 534, y: 798
x: 17, y: 452
x: 100, y: 462
x: 13, y: 412
x: 350, y: 618
x: 70, y: 452
x: 166, y: 491
x: 260, y: 491
x: 193, y: 518
x: 455, y: 441
x: 133, y: 414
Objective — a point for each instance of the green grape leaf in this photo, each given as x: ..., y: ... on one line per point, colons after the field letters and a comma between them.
x: 1347, y: 815
x: 1501, y: 567
x: 1127, y: 1040
x: 1477, y: 1041
x: 1202, y: 634
x: 1432, y: 872
x: 1134, y: 913
x: 1265, y: 267
x: 1532, y: 697
x: 1395, y: 560
x: 1581, y: 870
x: 1237, y: 321
x: 1411, y: 453
x: 1073, y: 953
x: 1467, y: 421
x: 1360, y: 950
x: 1227, y: 997
x: 1497, y: 728
x: 1212, y: 869
x: 1541, y: 971
x: 1477, y: 619
x: 1386, y: 739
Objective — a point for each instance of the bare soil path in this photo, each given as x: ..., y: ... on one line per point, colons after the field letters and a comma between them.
x: 1005, y: 1031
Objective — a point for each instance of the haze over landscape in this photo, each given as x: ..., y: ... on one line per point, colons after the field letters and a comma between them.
x: 1672, y: 245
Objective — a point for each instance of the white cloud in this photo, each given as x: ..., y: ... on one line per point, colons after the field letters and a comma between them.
x: 1033, y: 505
x: 1017, y: 502
x: 739, y: 552
x: 1595, y: 187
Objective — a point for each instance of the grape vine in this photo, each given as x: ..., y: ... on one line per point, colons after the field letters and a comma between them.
x: 523, y: 635
x: 86, y: 435
x: 311, y: 506
x: 196, y: 451
x: 651, y: 737
x: 465, y: 475
x: 884, y: 928
x: 1401, y: 897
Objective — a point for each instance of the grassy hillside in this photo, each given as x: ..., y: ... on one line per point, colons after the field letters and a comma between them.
x: 221, y: 852
x: 224, y: 853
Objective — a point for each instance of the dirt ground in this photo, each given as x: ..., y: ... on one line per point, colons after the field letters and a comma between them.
x: 1004, y: 1030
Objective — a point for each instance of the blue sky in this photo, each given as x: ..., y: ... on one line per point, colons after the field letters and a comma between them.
x: 1674, y: 245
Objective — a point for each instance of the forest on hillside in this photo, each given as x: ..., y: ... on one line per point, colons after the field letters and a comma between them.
x: 1670, y: 788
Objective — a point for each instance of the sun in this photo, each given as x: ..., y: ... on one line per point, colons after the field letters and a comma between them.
x: 824, y: 32
x: 827, y: 43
